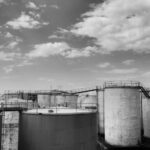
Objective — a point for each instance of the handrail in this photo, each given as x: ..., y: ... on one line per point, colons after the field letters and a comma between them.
x: 15, y: 106
x: 121, y: 84
x: 145, y: 92
x: 136, y: 84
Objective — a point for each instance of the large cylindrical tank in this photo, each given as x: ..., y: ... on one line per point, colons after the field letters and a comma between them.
x: 87, y: 101
x: 64, y: 130
x: 71, y: 101
x: 146, y: 116
x: 122, y: 116
x: 46, y: 101
x: 59, y: 100
x: 101, y: 112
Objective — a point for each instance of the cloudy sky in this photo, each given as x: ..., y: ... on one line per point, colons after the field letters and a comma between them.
x: 70, y: 44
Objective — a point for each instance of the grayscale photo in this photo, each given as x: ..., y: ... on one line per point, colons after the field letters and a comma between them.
x: 74, y: 74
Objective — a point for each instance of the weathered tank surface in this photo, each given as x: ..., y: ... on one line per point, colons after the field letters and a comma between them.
x: 58, y: 131
x: 146, y: 116
x: 122, y: 116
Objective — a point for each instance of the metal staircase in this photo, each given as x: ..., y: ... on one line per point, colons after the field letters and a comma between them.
x: 145, y: 92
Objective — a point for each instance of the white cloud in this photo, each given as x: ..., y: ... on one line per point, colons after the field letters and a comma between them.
x: 116, y: 25
x: 25, y: 21
x: 31, y: 5
x: 54, y: 6
x: 3, y: 1
x: 24, y: 63
x: 8, y: 56
x: 62, y: 33
x: 60, y: 48
x: 43, y: 6
x: 128, y: 62
x: 8, y: 69
x: 84, y: 52
x: 35, y: 14
x: 123, y: 71
x: 146, y: 74
x: 10, y: 41
x: 55, y: 37
x: 47, y: 49
x: 12, y: 44
x: 8, y: 35
x: 46, y: 79
x: 104, y: 65
x: 76, y: 53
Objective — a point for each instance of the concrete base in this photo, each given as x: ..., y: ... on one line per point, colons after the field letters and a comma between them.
x: 10, y: 130
x: 146, y: 142
x: 102, y: 145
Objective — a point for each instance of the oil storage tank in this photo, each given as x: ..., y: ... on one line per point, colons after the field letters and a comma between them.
x: 87, y: 101
x: 146, y: 116
x: 101, y: 112
x: 71, y: 101
x: 44, y: 100
x: 64, y: 129
x: 59, y: 100
x: 122, y: 116
x: 47, y: 100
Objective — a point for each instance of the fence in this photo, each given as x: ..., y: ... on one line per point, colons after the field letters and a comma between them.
x: 122, y: 84
x: 69, y: 106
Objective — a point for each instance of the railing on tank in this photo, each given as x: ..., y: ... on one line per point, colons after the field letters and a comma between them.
x: 122, y: 84
x: 69, y: 106
x: 12, y: 106
x: 84, y: 90
x: 114, y: 84
x: 11, y: 100
x: 73, y: 107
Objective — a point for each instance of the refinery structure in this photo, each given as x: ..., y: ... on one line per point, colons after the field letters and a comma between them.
x: 113, y: 116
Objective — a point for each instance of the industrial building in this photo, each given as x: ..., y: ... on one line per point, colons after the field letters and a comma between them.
x: 116, y: 116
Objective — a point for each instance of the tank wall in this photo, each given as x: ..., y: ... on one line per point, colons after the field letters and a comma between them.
x: 122, y: 116
x: 146, y: 116
x: 87, y: 101
x: 10, y: 130
x: 71, y: 101
x: 57, y: 100
x: 101, y: 112
x: 44, y: 100
x: 58, y: 132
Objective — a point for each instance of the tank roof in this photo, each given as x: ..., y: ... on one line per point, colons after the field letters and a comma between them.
x: 60, y: 110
